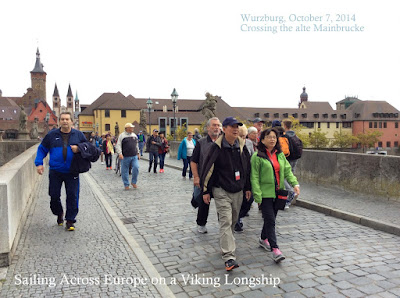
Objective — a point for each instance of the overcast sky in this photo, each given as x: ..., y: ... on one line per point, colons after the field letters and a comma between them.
x: 147, y: 48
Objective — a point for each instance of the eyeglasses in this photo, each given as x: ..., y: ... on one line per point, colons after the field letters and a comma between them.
x: 270, y: 137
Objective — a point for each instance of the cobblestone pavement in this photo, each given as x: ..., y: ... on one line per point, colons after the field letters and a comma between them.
x: 326, y: 256
x: 51, y: 262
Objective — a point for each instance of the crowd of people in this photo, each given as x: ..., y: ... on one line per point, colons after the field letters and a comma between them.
x: 232, y: 164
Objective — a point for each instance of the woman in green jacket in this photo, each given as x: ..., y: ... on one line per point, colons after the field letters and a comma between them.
x: 264, y: 163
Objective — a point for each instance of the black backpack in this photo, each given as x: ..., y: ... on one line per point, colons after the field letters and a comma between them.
x: 295, y: 147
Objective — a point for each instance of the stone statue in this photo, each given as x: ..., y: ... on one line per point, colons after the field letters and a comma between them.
x: 34, y: 130
x: 22, y: 119
x: 143, y: 121
x: 210, y: 106
x: 116, y: 128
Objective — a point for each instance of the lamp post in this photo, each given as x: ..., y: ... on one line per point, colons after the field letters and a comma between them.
x: 149, y: 106
x: 97, y: 127
x: 174, y: 97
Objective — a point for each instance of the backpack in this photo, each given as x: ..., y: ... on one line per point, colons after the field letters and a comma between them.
x: 295, y: 147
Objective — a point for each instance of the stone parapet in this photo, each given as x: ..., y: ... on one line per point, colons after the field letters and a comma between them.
x: 18, y: 179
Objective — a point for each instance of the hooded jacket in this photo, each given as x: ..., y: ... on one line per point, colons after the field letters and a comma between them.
x: 81, y: 162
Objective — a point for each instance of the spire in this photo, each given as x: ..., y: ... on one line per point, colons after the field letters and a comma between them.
x: 76, y: 96
x: 38, y: 64
x: 69, y: 91
x: 56, y: 91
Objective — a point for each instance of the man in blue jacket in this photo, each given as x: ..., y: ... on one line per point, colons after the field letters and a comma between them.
x: 62, y: 144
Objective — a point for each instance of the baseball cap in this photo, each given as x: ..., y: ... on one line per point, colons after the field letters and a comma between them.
x: 155, y: 130
x: 258, y: 119
x: 129, y: 125
x: 276, y: 123
x: 229, y: 121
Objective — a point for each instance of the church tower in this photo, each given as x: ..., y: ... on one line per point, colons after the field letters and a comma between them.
x: 76, y: 102
x: 303, y: 96
x: 70, y: 107
x: 38, y: 78
x: 56, y: 102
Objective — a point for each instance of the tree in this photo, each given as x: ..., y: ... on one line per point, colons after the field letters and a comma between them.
x: 343, y: 140
x: 369, y: 138
x: 318, y: 139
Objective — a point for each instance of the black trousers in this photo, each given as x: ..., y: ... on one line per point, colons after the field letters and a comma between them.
x: 108, y: 160
x: 246, y: 205
x: 202, y: 214
x: 71, y: 182
x: 269, y: 214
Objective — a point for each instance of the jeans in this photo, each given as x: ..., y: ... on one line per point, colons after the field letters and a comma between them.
x: 186, y: 163
x: 71, y: 182
x: 269, y: 215
x: 162, y: 158
x: 141, y: 146
x: 293, y: 163
x: 153, y: 156
x: 108, y: 160
x: 125, y: 164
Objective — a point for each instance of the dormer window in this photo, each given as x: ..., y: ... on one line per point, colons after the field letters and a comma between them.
x: 304, y: 115
x: 285, y: 115
x: 266, y: 115
x: 295, y: 115
x: 343, y: 116
x: 334, y: 115
x: 256, y: 115
x: 316, y: 115
x: 276, y: 115
x: 325, y: 115
x: 357, y: 115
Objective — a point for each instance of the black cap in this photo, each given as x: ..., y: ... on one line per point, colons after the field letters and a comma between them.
x: 258, y: 120
x: 230, y: 121
x: 276, y: 123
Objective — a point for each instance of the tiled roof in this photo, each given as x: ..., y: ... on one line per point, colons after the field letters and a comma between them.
x: 373, y: 110
x: 40, y: 112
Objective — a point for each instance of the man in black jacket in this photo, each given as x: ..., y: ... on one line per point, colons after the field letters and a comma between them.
x: 226, y: 175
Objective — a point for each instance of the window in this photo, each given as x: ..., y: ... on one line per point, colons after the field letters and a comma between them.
x: 307, y: 124
x: 285, y: 115
x: 184, y: 123
x: 375, y: 124
x: 328, y: 125
x: 107, y: 113
x: 276, y: 115
x: 337, y: 124
x: 346, y: 125
x: 162, y: 123
x: 316, y: 115
x: 172, y: 124
x: 380, y: 124
x: 266, y: 115
x: 370, y: 125
x: 396, y: 125
x: 379, y: 144
x: 388, y: 145
x: 319, y: 124
x: 107, y: 127
x: 70, y: 105
x: 123, y: 113
x: 55, y: 105
x: 384, y: 124
x: 396, y: 143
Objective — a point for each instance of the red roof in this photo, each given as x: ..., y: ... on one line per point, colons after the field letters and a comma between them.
x: 40, y: 112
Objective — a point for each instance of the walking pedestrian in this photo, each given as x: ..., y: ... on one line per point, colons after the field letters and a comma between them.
x: 197, y: 163
x: 246, y: 204
x: 62, y: 144
x: 108, y: 150
x: 153, y: 143
x: 269, y: 169
x: 162, y: 151
x: 127, y: 149
x: 197, y: 135
x: 226, y: 175
x: 142, y: 141
x: 185, y: 152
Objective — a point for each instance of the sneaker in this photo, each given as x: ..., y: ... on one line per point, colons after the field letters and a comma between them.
x: 264, y: 244
x: 287, y: 205
x: 277, y: 255
x: 70, y: 226
x: 201, y: 229
x: 102, y: 162
x: 231, y: 264
x: 294, y: 199
x: 134, y: 185
x: 238, y: 228
x: 60, y: 219
x: 184, y: 177
x: 161, y: 171
x: 126, y: 187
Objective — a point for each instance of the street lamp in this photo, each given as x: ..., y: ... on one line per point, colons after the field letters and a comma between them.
x: 174, y: 97
x: 149, y: 106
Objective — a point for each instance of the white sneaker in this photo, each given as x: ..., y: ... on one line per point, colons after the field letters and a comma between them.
x: 201, y: 229
x: 102, y: 162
